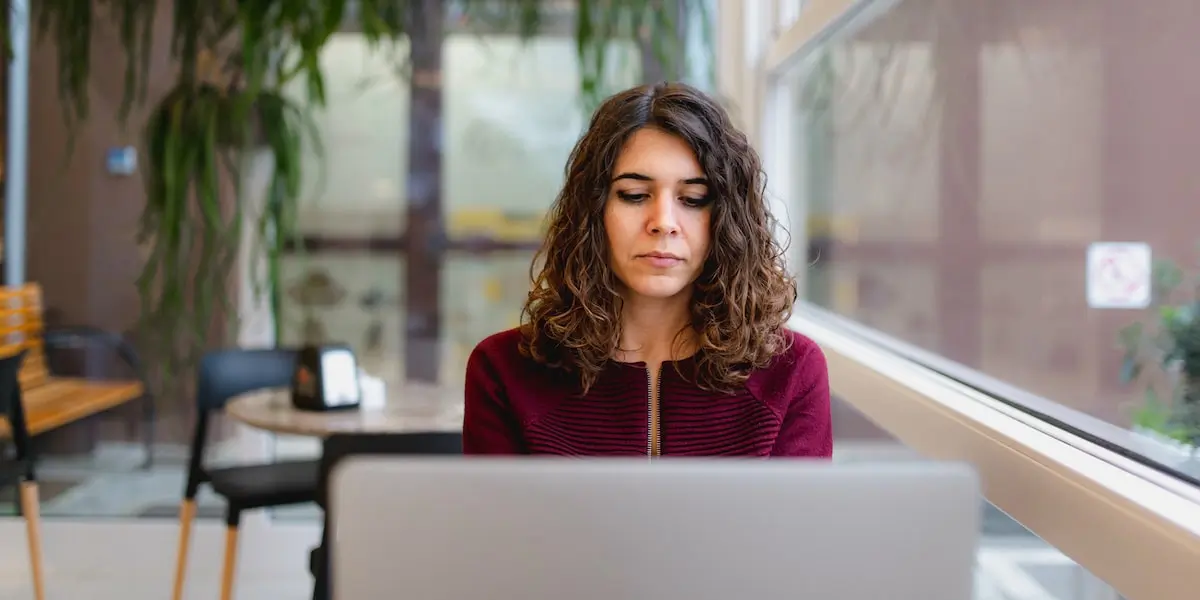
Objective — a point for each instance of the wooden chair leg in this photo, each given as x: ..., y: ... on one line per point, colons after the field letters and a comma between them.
x: 227, y: 573
x: 187, y: 512
x: 33, y: 528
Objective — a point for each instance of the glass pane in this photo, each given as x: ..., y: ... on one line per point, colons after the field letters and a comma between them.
x: 487, y: 292
x: 512, y: 116
x: 347, y: 297
x: 965, y: 159
x: 356, y: 186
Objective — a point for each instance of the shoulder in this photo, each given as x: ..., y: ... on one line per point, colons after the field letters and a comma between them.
x: 499, y: 353
x: 800, y: 360
x: 799, y: 368
x: 500, y: 344
x: 803, y: 355
x: 499, y: 359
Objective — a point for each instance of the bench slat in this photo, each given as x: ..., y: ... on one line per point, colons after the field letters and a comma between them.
x: 49, y: 402
x: 64, y: 400
x: 21, y: 328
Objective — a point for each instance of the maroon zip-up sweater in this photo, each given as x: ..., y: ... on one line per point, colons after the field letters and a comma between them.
x: 517, y: 406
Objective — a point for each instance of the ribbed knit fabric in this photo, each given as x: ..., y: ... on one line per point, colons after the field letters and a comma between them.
x: 516, y: 406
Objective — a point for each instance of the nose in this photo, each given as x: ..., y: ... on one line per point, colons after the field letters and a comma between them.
x: 662, y: 219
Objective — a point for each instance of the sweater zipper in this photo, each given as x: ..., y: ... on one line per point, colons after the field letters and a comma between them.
x: 653, y: 419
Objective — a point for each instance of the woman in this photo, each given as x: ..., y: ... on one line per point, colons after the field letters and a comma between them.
x: 655, y: 325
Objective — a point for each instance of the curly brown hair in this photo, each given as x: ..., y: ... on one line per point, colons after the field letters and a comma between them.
x: 743, y: 295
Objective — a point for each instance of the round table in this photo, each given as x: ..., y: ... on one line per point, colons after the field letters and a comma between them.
x: 405, y: 408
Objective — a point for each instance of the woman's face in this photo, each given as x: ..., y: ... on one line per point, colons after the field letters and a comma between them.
x: 657, y: 216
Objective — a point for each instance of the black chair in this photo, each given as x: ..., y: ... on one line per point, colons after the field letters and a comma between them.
x: 224, y: 374
x: 338, y: 447
x: 91, y: 338
x: 16, y: 467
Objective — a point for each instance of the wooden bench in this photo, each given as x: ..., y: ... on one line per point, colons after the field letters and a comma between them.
x: 51, y: 402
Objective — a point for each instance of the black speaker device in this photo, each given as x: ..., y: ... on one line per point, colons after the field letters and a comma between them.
x: 326, y: 378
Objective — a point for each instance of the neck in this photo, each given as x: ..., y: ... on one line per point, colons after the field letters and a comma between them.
x: 651, y: 330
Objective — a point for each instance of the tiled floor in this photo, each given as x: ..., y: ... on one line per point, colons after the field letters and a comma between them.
x: 135, y: 560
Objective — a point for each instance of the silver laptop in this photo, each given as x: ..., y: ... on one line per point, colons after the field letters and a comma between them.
x: 544, y: 529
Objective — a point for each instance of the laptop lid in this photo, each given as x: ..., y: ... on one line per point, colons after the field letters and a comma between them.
x: 548, y: 529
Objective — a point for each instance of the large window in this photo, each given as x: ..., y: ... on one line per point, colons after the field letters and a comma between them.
x: 963, y: 159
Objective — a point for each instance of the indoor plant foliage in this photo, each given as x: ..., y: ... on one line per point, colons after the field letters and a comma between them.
x: 235, y: 59
x: 1170, y: 341
x: 232, y: 60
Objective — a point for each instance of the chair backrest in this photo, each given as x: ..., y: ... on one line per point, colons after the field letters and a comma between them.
x: 224, y: 374
x: 13, y: 410
x: 339, y: 446
x: 22, y: 328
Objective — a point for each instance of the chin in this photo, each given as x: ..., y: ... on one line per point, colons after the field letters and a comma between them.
x: 659, y: 288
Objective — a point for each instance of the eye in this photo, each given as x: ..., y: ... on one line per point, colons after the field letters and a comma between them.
x: 632, y: 198
x: 700, y: 202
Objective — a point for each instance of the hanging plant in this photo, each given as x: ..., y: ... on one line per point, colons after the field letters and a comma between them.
x: 193, y: 140
x: 235, y: 59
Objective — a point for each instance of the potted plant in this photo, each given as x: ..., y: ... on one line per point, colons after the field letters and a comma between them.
x: 1170, y: 342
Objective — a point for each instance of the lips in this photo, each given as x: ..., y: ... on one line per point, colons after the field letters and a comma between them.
x: 660, y: 260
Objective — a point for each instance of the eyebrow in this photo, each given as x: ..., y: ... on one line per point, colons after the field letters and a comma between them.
x: 641, y: 177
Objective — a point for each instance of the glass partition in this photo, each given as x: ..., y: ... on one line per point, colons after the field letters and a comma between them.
x: 983, y: 184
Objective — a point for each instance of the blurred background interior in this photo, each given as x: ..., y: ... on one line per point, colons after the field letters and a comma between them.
x: 954, y: 177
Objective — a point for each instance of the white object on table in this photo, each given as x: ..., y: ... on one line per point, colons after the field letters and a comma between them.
x: 374, y: 391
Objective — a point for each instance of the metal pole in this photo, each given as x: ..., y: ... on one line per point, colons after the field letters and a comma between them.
x: 16, y: 172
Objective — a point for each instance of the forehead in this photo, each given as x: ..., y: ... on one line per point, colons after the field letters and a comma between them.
x: 658, y: 154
